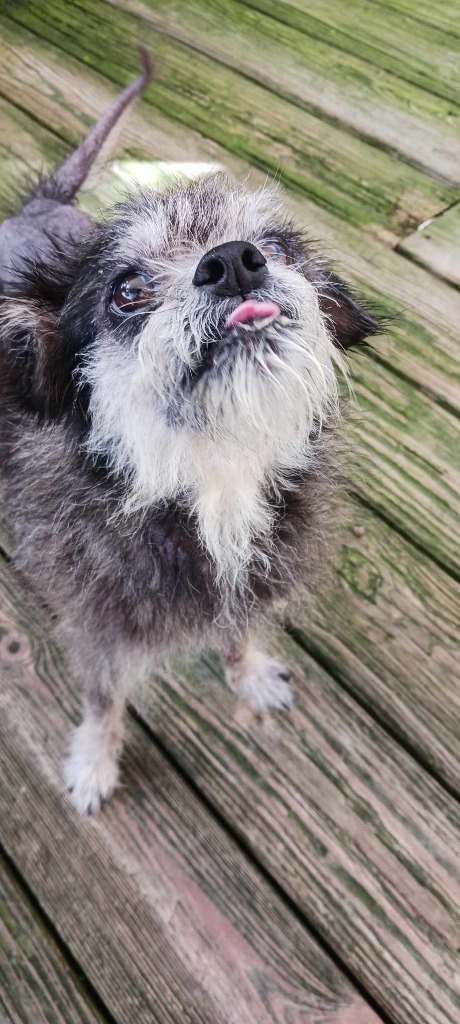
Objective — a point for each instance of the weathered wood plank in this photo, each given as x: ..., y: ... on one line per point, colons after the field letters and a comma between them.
x: 22, y: 152
x: 387, y: 38
x: 340, y: 171
x: 436, y: 245
x: 389, y: 628
x: 167, y: 917
x: 422, y: 127
x: 391, y: 884
x: 407, y: 461
x: 445, y: 15
x: 423, y: 344
x: 37, y: 985
x: 409, y: 447
x: 351, y: 827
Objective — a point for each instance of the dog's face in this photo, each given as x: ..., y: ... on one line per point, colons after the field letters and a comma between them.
x: 205, y: 334
x: 208, y: 291
x: 207, y: 323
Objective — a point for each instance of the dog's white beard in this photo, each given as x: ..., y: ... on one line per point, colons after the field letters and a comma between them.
x: 256, y: 421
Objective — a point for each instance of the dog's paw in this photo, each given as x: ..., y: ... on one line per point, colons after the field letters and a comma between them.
x: 262, y: 682
x: 91, y: 772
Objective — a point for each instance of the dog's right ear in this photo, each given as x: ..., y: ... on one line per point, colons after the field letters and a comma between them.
x: 32, y: 371
x: 27, y: 334
x: 37, y: 358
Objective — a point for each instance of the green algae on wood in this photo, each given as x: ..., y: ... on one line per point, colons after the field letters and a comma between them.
x: 389, y: 629
x: 419, y: 126
x: 337, y: 169
x: 426, y: 55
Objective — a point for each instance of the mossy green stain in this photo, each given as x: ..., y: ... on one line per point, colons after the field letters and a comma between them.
x: 200, y: 92
x: 362, y: 577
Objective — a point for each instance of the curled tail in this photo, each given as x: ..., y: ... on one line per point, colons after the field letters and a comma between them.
x: 64, y: 184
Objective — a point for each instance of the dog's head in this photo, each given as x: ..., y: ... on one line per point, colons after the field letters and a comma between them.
x: 200, y: 333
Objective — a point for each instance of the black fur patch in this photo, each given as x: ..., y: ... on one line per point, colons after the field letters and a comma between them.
x: 350, y: 322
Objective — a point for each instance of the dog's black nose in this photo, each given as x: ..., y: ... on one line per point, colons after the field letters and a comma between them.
x: 235, y: 268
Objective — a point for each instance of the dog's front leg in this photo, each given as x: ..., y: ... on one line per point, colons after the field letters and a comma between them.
x: 92, y: 766
x: 259, y: 679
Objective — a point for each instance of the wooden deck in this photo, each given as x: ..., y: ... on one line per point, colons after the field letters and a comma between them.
x: 303, y: 869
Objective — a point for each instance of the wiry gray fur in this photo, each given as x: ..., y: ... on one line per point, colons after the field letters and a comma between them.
x: 168, y: 481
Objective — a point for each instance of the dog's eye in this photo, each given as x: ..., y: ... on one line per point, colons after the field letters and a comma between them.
x: 275, y: 250
x: 131, y: 293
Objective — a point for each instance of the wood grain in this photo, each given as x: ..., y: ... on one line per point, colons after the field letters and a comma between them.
x: 445, y: 16
x: 406, y: 461
x: 166, y: 916
x: 37, y: 985
x: 26, y: 149
x: 344, y: 88
x: 350, y: 826
x: 426, y: 55
x: 436, y: 245
x: 337, y: 169
x: 389, y: 628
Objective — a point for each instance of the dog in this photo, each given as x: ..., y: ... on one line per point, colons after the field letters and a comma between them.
x: 170, y: 430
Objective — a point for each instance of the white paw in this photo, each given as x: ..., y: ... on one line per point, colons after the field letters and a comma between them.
x: 263, y: 683
x: 91, y: 771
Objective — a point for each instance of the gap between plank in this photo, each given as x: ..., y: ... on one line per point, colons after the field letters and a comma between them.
x: 246, y: 850
x: 30, y: 897
x: 310, y: 108
x: 372, y: 353
x: 415, y: 17
x: 419, y: 263
x: 328, y: 665
x: 342, y: 49
x: 409, y: 540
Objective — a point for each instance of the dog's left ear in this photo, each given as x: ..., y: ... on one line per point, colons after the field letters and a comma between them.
x: 350, y: 323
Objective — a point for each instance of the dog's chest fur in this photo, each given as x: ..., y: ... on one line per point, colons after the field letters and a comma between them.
x: 144, y: 576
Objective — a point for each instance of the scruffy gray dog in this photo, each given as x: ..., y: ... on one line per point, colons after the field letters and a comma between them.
x: 169, y: 413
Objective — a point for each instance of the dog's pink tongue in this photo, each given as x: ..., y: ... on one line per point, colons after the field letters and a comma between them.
x: 251, y: 310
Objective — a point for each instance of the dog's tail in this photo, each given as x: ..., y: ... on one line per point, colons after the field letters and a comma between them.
x: 64, y: 184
